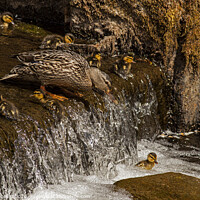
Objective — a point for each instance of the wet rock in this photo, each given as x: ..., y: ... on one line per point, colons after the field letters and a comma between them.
x: 36, y: 11
x: 149, y: 28
x: 169, y: 186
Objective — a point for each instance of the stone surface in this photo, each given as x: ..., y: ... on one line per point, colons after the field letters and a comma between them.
x: 167, y: 186
x: 161, y: 32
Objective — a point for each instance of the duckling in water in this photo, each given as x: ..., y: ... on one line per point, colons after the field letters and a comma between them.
x: 8, y: 109
x: 149, y: 163
x: 53, y: 41
x: 49, y: 103
x: 64, y: 69
x: 122, y: 67
x: 95, y: 60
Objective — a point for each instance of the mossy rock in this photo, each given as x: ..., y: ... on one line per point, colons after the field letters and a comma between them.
x: 167, y: 186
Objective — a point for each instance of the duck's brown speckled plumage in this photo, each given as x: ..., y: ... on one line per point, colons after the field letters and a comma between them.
x: 59, y: 68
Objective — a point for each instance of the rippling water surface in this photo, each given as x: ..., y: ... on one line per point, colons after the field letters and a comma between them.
x: 94, y: 187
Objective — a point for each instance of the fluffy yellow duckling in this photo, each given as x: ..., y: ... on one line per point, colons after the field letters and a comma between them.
x: 95, y: 60
x: 8, y: 109
x: 6, y: 19
x: 149, y: 163
x: 49, y: 103
x: 122, y: 67
x: 69, y: 38
x: 54, y: 41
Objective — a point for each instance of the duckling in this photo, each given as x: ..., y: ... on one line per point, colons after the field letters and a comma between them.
x: 64, y: 69
x: 8, y: 109
x: 49, y: 103
x: 69, y: 38
x: 6, y: 19
x: 95, y: 60
x: 6, y: 22
x: 122, y: 67
x: 53, y: 41
x: 149, y: 163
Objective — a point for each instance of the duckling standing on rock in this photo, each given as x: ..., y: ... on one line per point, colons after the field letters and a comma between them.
x: 6, y: 19
x: 49, y: 103
x: 8, y: 109
x: 95, y: 60
x: 69, y: 38
x: 53, y: 41
x: 149, y: 163
x: 122, y: 67
x: 64, y: 69
x: 67, y: 43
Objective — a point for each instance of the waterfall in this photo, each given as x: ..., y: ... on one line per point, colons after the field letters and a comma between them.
x: 84, y: 142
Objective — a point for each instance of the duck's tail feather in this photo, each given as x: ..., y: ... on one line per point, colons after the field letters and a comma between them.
x: 8, y: 76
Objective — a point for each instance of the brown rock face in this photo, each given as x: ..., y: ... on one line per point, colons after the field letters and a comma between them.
x: 168, y: 186
x: 167, y: 33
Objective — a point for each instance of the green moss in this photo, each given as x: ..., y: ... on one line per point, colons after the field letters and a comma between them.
x: 31, y: 29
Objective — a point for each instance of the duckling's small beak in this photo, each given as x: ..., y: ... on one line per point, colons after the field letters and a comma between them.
x: 156, y: 161
x: 12, y: 23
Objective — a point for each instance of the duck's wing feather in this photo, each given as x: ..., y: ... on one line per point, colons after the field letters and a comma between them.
x: 140, y: 164
x: 50, y: 65
x: 53, y: 56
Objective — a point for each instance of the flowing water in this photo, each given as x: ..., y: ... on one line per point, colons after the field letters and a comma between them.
x: 94, y: 187
x: 79, y: 156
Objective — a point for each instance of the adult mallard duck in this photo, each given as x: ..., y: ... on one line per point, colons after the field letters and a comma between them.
x: 95, y: 60
x: 149, y: 163
x: 122, y: 66
x: 65, y: 69
x: 8, y: 109
x: 53, y: 41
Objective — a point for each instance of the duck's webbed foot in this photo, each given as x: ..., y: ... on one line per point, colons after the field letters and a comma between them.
x: 53, y: 96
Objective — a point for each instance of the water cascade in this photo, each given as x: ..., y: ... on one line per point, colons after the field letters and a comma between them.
x: 85, y: 142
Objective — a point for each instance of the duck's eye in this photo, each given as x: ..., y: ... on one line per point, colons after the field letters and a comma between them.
x: 151, y: 156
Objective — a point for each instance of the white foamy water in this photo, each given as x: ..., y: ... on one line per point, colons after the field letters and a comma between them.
x: 96, y: 188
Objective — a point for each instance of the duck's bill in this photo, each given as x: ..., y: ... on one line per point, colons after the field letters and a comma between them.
x: 112, y: 98
x: 12, y: 23
x: 156, y: 162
